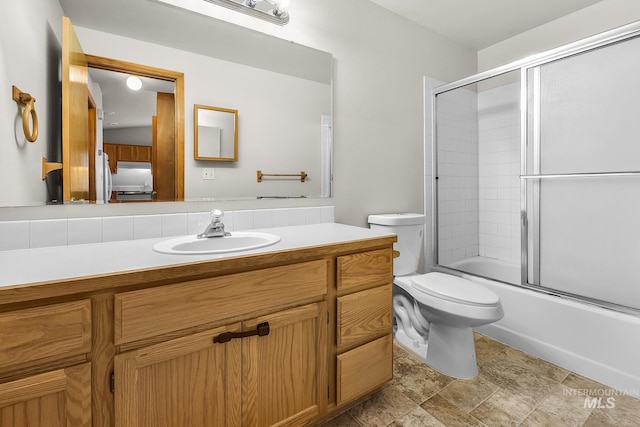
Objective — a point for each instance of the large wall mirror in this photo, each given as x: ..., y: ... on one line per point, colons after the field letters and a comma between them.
x: 281, y: 90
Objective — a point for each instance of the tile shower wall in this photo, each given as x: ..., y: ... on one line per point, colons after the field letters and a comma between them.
x: 499, y: 168
x: 458, y: 218
x: 61, y: 232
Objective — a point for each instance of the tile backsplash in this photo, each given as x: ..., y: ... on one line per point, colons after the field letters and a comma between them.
x: 73, y: 231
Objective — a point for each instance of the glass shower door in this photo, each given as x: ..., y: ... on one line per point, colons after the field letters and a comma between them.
x: 582, y: 175
x: 477, y: 190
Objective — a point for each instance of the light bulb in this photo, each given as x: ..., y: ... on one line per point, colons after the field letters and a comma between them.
x: 282, y: 4
x: 134, y: 83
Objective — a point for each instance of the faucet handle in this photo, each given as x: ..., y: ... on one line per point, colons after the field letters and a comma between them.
x: 216, y: 215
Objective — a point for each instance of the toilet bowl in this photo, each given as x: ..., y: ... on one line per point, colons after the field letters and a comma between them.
x: 434, y: 313
x: 452, y: 306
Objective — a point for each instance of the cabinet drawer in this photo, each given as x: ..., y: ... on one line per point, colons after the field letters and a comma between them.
x: 364, y: 369
x: 366, y: 268
x: 364, y: 315
x: 36, y: 333
x: 150, y: 312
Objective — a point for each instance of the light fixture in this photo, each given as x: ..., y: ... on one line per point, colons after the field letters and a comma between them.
x: 273, y: 11
x: 134, y: 83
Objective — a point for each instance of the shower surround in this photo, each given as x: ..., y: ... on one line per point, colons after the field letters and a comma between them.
x: 533, y: 166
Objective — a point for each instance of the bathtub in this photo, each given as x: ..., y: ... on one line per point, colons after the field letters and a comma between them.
x: 497, y: 269
x: 592, y: 341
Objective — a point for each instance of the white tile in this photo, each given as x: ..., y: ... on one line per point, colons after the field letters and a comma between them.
x: 328, y: 213
x: 84, y: 230
x: 48, y: 232
x: 117, y: 228
x: 228, y: 220
x: 198, y: 221
x: 491, y: 252
x: 175, y: 224
x: 298, y: 216
x: 242, y: 220
x: 314, y: 215
x: 281, y: 217
x: 14, y: 235
x: 504, y: 253
x: 263, y: 218
x: 147, y: 226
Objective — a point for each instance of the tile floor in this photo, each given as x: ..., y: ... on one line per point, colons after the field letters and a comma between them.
x: 512, y: 389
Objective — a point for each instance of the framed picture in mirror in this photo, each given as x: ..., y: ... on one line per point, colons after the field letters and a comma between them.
x: 215, y: 133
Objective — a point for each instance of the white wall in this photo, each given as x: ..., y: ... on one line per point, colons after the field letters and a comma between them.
x: 29, y: 36
x: 600, y: 17
x: 380, y: 61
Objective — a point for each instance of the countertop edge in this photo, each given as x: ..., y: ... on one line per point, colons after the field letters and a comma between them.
x: 193, y: 269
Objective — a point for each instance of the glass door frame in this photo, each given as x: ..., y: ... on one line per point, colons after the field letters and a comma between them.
x: 529, y: 66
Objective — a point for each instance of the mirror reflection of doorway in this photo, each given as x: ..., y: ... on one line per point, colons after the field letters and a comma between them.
x: 83, y: 115
x: 139, y: 157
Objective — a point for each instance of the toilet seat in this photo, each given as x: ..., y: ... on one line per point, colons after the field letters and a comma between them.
x: 454, y: 289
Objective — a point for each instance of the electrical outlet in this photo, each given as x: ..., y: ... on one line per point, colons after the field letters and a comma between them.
x: 208, y: 173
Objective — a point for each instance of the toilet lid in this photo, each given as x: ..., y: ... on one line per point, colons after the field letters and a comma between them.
x: 454, y: 288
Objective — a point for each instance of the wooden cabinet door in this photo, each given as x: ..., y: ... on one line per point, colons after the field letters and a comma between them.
x: 126, y: 153
x: 284, y: 373
x: 188, y: 381
x: 60, y: 398
x: 143, y: 153
x: 364, y: 369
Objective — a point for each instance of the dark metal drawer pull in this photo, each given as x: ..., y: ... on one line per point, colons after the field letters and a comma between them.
x: 261, y: 330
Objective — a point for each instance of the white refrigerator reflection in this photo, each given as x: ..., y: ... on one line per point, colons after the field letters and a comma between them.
x: 107, y: 179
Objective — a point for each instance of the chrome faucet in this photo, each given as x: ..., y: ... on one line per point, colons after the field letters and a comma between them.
x: 216, y: 228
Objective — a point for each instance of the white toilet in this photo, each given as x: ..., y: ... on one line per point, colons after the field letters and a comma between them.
x: 434, y: 313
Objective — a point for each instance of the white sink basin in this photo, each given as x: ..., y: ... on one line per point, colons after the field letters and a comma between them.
x: 236, y: 242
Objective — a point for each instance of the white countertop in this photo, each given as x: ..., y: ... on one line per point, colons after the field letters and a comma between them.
x: 19, y: 267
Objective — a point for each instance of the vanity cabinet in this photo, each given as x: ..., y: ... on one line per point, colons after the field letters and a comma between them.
x: 281, y: 338
x: 260, y: 371
x: 32, y: 342
x: 197, y: 380
x: 364, y: 345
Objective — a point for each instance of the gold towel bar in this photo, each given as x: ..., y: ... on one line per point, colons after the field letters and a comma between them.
x: 302, y: 175
x: 28, y: 101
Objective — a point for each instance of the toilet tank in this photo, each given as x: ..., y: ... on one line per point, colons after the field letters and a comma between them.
x: 409, y: 227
